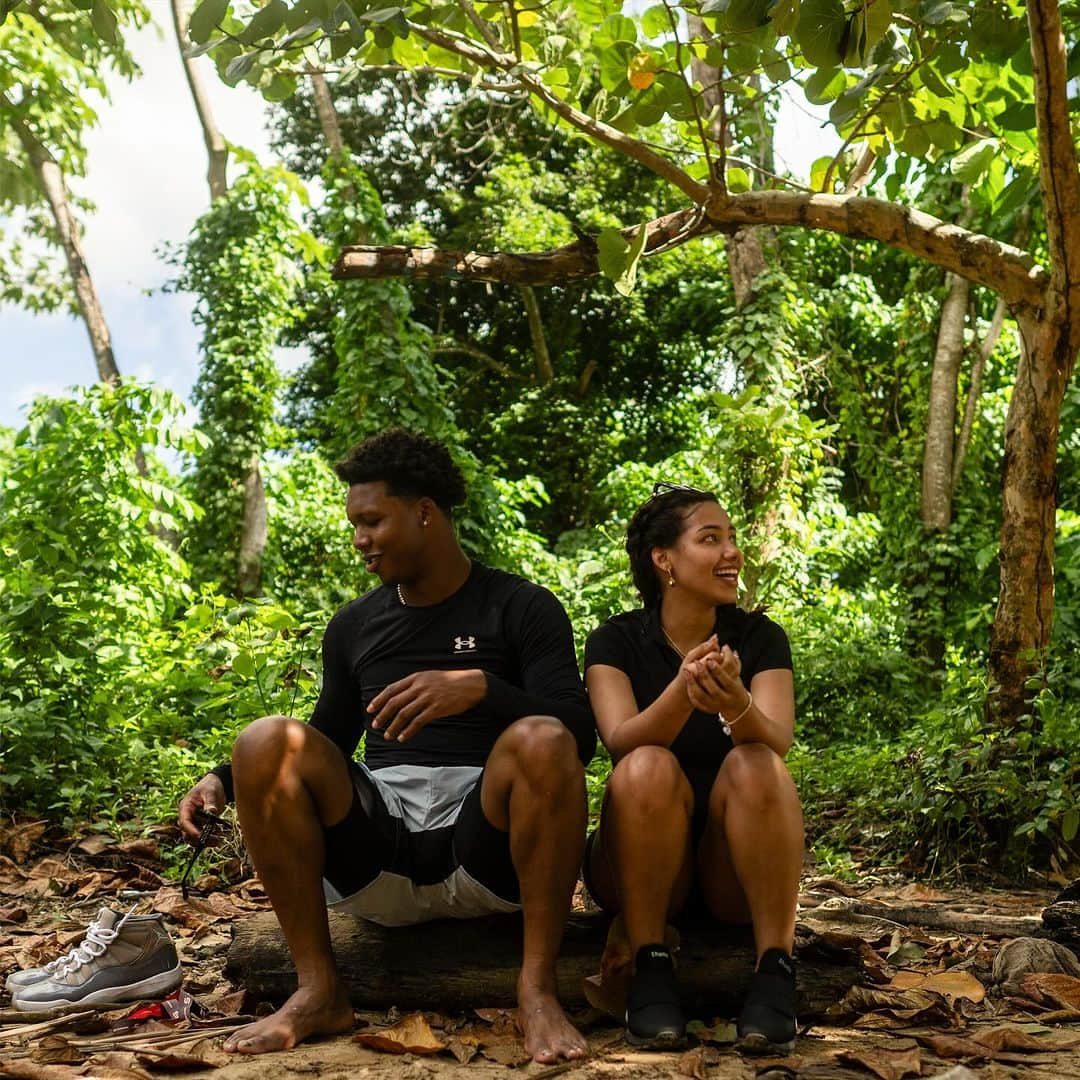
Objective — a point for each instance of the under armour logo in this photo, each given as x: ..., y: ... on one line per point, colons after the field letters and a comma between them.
x: 464, y: 644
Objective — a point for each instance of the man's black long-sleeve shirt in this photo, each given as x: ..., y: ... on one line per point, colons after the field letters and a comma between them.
x: 516, y: 632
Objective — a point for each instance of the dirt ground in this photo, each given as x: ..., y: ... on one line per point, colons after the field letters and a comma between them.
x: 928, y: 1006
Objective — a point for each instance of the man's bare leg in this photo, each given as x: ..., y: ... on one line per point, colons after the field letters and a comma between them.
x: 290, y: 782
x: 534, y: 788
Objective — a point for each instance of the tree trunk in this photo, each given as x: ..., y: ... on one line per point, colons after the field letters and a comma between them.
x: 253, y: 533
x: 978, y: 367
x: 544, y: 371
x: 50, y: 181
x: 327, y: 114
x: 216, y: 150
x: 468, y: 963
x: 936, y: 510
x: 1050, y: 339
x: 1021, y: 632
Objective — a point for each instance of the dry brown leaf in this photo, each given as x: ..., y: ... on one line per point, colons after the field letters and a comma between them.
x: 50, y: 868
x: 56, y: 1050
x: 412, y: 1034
x: 502, y: 1021
x: 696, y: 1062
x: 12, y: 913
x: 834, y: 885
x: 31, y: 1070
x: 608, y: 995
x: 173, y: 1061
x: 21, y: 839
x: 956, y: 1046
x: 116, y: 1065
x: 1060, y: 990
x: 949, y: 984
x: 464, y: 1047
x: 885, y: 1064
x: 139, y: 848
x: 506, y: 1050
x: 922, y: 894
x: 94, y: 845
x: 1008, y: 1037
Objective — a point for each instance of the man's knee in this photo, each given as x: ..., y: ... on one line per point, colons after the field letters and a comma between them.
x: 265, y: 747
x: 543, y: 746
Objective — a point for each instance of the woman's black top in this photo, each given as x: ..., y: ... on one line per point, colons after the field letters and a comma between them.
x: 634, y: 643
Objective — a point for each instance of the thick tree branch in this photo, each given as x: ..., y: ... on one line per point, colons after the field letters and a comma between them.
x: 596, y: 129
x: 449, y: 347
x: 1010, y: 272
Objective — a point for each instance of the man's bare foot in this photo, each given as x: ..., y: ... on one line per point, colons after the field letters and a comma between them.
x: 548, y: 1035
x: 308, y: 1012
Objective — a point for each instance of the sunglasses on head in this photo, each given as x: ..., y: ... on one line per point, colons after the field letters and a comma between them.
x: 663, y: 487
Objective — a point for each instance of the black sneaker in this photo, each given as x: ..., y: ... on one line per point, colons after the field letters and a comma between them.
x: 767, y: 1022
x: 654, y: 1017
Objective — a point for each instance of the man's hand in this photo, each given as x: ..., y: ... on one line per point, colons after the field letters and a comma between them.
x: 209, y: 795
x: 404, y: 707
x: 713, y: 683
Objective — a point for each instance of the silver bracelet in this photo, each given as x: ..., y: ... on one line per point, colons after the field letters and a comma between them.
x: 727, y: 725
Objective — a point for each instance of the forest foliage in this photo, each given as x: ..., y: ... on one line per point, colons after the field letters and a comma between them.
x: 134, y: 643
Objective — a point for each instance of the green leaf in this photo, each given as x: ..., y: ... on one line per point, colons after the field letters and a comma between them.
x: 973, y: 160
x: 824, y: 85
x: 612, y: 251
x: 615, y: 28
x: 737, y: 180
x: 936, y: 12
x: 655, y: 21
x: 739, y: 16
x: 206, y: 18
x: 279, y: 88
x: 244, y: 664
x: 817, y: 172
x: 1069, y: 824
x: 104, y: 20
x: 1019, y: 116
x: 7, y: 7
x: 240, y: 66
x: 624, y: 284
x: 785, y: 16
x: 821, y: 29
x: 265, y: 22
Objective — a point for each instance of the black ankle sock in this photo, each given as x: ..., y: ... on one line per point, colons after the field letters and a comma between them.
x: 776, y: 962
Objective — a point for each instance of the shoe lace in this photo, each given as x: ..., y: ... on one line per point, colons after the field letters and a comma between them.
x: 95, y: 944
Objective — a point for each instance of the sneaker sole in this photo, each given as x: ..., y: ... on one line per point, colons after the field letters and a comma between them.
x: 665, y: 1040
x: 154, y: 986
x: 758, y: 1045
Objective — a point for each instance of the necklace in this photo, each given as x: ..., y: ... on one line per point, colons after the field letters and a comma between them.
x: 400, y: 597
x: 667, y: 636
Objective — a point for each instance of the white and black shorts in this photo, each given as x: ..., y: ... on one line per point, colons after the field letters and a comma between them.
x: 415, y: 845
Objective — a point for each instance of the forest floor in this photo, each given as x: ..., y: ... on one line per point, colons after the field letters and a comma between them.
x: 931, y: 1001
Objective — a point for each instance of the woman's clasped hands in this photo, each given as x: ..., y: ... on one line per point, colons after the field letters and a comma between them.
x: 711, y: 674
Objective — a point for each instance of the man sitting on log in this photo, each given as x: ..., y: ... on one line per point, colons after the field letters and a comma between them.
x: 471, y: 796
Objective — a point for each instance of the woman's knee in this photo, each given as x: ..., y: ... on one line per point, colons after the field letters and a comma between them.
x: 754, y: 774
x: 648, y: 777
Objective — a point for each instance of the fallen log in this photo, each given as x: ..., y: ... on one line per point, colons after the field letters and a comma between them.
x: 458, y: 965
x: 927, y: 916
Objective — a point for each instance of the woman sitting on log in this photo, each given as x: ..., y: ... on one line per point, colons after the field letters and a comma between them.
x: 694, y: 698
